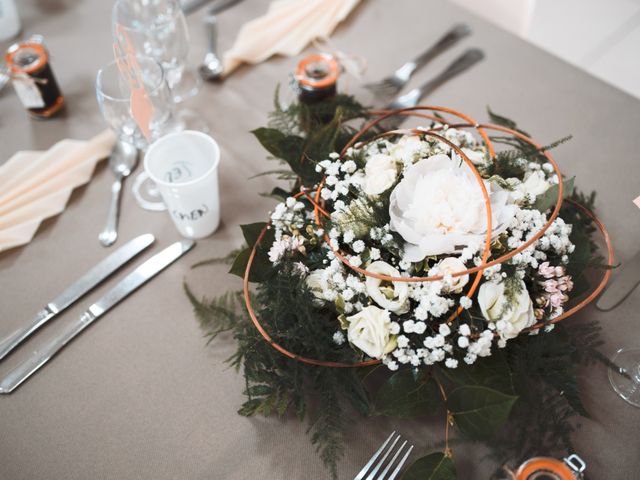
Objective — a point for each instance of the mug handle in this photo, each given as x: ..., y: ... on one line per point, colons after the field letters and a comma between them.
x: 141, y: 178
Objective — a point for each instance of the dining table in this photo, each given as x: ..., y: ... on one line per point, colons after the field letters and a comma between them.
x: 142, y: 393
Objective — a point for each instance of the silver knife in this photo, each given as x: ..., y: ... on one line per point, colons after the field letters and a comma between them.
x: 77, y: 290
x: 142, y: 274
x: 625, y: 282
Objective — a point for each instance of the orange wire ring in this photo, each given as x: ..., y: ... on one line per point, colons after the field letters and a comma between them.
x: 319, y: 209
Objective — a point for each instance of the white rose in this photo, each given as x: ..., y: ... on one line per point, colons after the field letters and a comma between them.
x: 393, y: 296
x: 534, y: 184
x: 316, y: 281
x: 369, y: 331
x: 379, y: 174
x: 517, y: 313
x: 451, y: 265
x: 438, y: 208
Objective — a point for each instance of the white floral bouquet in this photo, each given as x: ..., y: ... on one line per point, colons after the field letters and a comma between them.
x: 424, y: 250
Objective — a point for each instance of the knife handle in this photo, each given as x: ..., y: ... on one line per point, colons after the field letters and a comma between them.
x: 11, y: 341
x: 41, y: 356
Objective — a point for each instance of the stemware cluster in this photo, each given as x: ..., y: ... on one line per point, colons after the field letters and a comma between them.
x: 155, y: 33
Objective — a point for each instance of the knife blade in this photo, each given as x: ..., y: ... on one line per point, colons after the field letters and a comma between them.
x: 129, y: 284
x: 625, y: 282
x: 77, y: 290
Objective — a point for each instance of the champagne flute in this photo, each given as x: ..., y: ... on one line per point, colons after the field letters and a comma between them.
x: 114, y: 99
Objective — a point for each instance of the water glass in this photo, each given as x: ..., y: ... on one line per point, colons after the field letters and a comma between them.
x: 157, y: 28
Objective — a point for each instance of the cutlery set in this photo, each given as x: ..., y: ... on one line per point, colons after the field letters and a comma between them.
x: 91, y: 279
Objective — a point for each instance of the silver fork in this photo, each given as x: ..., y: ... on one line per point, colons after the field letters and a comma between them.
x: 393, y: 84
x: 372, y: 472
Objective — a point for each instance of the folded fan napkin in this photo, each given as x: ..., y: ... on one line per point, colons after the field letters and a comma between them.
x: 286, y: 29
x: 37, y: 185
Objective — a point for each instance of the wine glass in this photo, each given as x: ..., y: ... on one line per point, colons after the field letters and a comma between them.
x: 157, y: 28
x: 114, y: 98
x: 624, y: 375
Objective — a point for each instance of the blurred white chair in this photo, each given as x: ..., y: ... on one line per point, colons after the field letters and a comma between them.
x: 512, y: 15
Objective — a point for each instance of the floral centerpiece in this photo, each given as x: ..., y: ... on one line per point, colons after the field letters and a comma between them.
x: 407, y: 272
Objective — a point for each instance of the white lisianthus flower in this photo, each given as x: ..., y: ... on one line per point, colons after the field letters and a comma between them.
x: 438, y: 208
x: 407, y: 149
x: 393, y: 296
x: 380, y: 173
x: 449, y: 266
x: 315, y: 282
x: 510, y: 313
x: 534, y: 184
x: 369, y: 331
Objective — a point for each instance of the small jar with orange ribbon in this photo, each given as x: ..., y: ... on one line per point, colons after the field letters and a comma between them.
x: 33, y: 79
x: 544, y: 468
x: 317, y: 78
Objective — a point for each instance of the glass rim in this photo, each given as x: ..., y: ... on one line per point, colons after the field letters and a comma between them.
x: 102, y: 71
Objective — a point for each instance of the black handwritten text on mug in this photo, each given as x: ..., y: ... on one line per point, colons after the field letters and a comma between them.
x: 191, y: 216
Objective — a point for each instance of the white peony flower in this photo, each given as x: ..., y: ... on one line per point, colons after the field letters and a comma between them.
x: 438, y: 208
x: 534, y: 184
x: 380, y: 173
x: 449, y: 266
x: 393, y: 296
x: 510, y: 315
x: 369, y: 331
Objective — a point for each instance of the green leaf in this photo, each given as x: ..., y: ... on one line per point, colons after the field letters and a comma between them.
x: 504, y: 121
x: 261, y: 268
x: 435, y: 466
x: 549, y: 198
x: 402, y: 396
x: 479, y: 412
x: 251, y: 232
x: 289, y: 148
x: 492, y: 372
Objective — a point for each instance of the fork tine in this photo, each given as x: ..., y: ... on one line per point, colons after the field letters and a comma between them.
x: 404, y: 459
x: 377, y: 467
x: 391, y: 462
x: 365, y: 469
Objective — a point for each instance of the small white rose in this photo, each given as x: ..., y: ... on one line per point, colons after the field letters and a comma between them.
x: 393, y: 296
x: 534, y: 184
x: 316, y: 281
x: 408, y: 149
x: 380, y: 173
x: 438, y: 207
x: 452, y: 265
x: 513, y: 315
x: 369, y: 331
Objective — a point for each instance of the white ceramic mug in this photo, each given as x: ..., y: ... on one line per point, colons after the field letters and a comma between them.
x: 184, y: 168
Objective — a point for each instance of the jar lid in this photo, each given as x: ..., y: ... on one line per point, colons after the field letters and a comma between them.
x: 26, y: 57
x: 317, y: 71
x: 543, y: 468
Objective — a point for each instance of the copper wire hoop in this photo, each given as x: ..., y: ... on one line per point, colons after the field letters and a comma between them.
x: 481, y: 128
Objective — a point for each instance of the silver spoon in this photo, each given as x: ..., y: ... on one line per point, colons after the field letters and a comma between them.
x: 122, y: 162
x: 211, y: 68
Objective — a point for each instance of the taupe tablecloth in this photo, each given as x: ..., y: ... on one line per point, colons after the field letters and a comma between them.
x: 139, y: 395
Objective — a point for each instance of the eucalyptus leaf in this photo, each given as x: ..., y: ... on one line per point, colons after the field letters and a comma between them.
x: 405, y: 396
x: 549, y: 198
x: 435, y: 466
x: 478, y: 411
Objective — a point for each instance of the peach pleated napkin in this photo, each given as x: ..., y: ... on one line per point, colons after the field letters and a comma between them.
x: 286, y: 29
x: 37, y: 185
